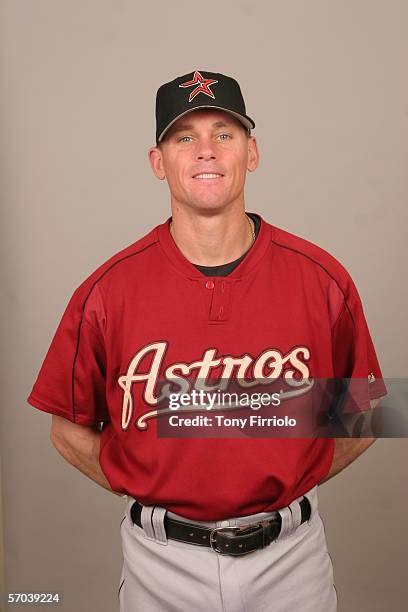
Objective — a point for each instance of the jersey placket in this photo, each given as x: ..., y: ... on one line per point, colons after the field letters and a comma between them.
x: 218, y: 299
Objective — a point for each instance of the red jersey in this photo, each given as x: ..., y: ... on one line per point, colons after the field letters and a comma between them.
x: 148, y: 313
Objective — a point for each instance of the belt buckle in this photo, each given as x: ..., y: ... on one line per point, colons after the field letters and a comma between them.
x: 213, y: 538
x: 237, y: 530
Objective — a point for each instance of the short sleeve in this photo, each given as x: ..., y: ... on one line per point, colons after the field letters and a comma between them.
x: 354, y: 356
x: 72, y: 380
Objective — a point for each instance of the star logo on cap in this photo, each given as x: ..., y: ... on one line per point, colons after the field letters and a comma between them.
x: 203, y: 86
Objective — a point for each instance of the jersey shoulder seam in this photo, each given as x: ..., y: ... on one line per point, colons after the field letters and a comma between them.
x: 117, y: 259
x: 321, y: 265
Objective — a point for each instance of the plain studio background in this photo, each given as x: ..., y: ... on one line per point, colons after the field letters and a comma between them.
x: 326, y: 84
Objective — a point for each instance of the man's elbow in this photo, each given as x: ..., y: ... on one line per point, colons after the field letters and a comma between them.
x: 370, y: 441
x: 57, y: 433
x: 63, y: 431
x: 377, y: 422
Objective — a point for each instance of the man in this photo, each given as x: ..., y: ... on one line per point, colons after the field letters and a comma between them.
x: 214, y: 294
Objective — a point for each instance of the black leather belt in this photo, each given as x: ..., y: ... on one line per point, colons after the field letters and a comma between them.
x: 239, y: 540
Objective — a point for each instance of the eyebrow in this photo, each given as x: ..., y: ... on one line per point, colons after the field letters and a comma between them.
x: 190, y: 126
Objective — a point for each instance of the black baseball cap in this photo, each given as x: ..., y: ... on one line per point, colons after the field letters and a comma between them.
x: 198, y: 89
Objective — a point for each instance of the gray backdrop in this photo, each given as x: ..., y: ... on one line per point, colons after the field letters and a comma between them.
x: 326, y: 84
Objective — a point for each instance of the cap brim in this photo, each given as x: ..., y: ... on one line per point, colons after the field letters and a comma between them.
x: 246, y: 121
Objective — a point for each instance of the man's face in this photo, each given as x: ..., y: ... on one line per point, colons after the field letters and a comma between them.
x: 205, y: 156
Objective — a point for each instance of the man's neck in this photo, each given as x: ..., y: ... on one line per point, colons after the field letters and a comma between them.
x: 212, y: 240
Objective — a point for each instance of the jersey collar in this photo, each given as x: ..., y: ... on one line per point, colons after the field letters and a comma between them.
x: 245, y: 267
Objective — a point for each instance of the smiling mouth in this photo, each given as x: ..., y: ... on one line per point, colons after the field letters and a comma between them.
x: 208, y: 175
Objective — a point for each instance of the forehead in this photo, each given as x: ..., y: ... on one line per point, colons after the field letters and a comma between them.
x: 204, y: 118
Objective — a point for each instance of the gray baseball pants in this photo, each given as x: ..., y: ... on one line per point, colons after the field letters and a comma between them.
x: 293, y: 574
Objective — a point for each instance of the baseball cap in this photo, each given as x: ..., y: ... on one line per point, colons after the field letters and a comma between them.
x: 198, y: 89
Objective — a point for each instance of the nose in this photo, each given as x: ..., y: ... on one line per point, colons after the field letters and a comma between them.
x: 205, y: 150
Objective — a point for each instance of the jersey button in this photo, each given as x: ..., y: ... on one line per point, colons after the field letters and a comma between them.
x: 209, y: 284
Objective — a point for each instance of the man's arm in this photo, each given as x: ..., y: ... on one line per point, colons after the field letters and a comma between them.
x: 79, y: 445
x: 346, y: 450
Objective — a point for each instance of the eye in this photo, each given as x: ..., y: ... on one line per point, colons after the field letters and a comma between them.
x: 184, y: 139
x: 224, y: 136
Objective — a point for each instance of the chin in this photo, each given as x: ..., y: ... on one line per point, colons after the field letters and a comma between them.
x: 208, y: 206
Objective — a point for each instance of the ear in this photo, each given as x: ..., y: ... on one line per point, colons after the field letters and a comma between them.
x: 156, y: 162
x: 253, y: 154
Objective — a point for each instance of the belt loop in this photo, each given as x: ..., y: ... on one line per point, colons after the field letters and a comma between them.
x: 129, y: 504
x: 158, y: 525
x: 296, y: 514
x: 286, y: 526
x: 313, y: 501
x: 146, y: 520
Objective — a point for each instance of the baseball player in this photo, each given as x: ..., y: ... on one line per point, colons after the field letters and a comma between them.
x: 212, y: 295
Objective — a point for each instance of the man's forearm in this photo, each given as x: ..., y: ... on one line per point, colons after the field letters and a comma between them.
x: 80, y: 446
x: 367, y: 424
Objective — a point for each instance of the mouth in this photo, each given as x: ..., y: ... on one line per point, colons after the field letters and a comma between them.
x: 205, y: 176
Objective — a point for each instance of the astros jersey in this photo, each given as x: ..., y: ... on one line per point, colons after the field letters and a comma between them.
x: 288, y: 309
